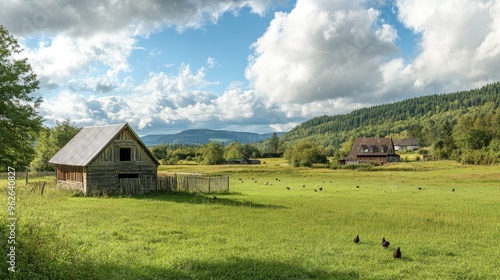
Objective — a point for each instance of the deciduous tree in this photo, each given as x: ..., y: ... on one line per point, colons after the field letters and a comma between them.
x: 19, y: 119
x: 50, y: 141
x: 234, y: 151
x: 305, y: 154
x: 213, y: 153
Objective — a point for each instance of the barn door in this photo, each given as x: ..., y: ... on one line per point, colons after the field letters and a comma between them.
x: 130, y: 183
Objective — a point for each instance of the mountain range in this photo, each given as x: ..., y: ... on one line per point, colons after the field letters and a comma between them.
x: 205, y: 136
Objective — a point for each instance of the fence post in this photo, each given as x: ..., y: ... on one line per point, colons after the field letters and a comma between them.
x: 43, y: 187
x: 174, y: 185
x: 208, y: 184
x: 26, y: 176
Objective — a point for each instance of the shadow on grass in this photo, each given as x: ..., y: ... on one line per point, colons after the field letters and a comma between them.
x: 216, y: 199
x: 238, y: 268
x: 247, y: 268
x: 41, y: 254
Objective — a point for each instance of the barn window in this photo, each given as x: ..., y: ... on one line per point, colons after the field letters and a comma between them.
x: 125, y: 154
x: 128, y: 176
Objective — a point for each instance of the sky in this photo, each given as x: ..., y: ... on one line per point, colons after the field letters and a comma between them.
x: 255, y: 66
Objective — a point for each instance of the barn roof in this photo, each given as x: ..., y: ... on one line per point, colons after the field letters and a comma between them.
x: 372, y: 146
x: 405, y: 142
x: 89, y: 142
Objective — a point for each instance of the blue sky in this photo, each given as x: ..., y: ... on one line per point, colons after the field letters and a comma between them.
x: 247, y: 65
x: 227, y: 42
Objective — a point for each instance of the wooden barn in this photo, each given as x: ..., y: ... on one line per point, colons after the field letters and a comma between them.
x: 372, y: 150
x: 107, y: 159
x: 403, y: 144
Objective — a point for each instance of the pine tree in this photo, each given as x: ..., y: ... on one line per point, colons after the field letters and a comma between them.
x: 274, y: 143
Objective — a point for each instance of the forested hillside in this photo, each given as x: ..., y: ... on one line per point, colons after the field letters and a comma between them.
x: 424, y: 117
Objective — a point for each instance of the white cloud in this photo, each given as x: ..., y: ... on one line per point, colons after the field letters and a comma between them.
x: 459, y: 47
x: 81, y: 110
x: 68, y: 57
x: 83, y: 18
x: 320, y: 50
x: 323, y: 52
x: 416, y: 13
x: 387, y: 33
x: 211, y: 62
x: 173, y: 100
x: 79, y: 36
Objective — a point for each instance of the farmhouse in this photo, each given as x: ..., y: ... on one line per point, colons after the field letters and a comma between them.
x: 105, y: 159
x: 372, y: 150
x: 402, y: 144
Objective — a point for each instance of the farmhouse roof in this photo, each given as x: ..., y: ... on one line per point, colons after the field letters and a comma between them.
x: 405, y: 142
x: 87, y: 144
x: 372, y: 146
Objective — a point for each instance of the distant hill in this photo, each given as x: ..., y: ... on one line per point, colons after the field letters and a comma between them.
x: 205, y: 136
x: 426, y: 118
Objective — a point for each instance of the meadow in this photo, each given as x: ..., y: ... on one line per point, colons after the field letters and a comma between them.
x: 285, y: 229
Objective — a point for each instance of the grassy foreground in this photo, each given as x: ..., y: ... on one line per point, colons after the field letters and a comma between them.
x: 259, y: 231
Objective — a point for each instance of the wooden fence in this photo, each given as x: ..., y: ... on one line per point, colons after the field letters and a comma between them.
x: 176, y: 182
x: 166, y: 183
x: 22, y: 174
x: 195, y: 183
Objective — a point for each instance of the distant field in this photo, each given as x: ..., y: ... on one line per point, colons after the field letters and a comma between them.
x: 259, y: 231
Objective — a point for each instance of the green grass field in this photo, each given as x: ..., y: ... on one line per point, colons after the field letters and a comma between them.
x: 259, y: 231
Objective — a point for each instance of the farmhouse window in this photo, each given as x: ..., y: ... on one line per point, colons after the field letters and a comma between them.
x: 364, y: 149
x: 125, y: 154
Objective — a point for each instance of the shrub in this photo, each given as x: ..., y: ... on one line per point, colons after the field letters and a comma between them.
x: 305, y: 154
x: 423, y: 152
x: 361, y: 167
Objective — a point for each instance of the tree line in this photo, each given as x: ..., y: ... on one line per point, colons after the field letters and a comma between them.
x: 462, y: 126
x: 396, y: 118
x: 217, y: 153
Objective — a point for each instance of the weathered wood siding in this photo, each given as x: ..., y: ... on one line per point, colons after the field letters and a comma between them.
x: 70, y: 177
x: 123, y: 140
x: 103, y: 172
x: 69, y: 173
x: 102, y: 176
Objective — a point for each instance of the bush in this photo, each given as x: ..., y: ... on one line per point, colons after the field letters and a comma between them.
x: 305, y: 154
x: 423, y: 152
x: 361, y: 167
x: 478, y: 157
x: 170, y: 160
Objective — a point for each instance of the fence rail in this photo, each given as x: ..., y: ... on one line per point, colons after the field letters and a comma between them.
x: 22, y: 174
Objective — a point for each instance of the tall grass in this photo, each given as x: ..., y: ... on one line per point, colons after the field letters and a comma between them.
x: 259, y: 231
